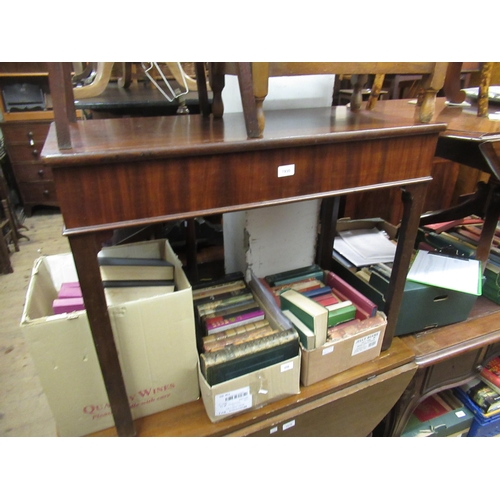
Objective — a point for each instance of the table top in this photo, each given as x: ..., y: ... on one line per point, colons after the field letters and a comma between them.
x: 188, y: 135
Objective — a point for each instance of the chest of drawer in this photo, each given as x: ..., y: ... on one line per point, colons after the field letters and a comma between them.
x: 24, y: 153
x: 31, y: 134
x: 38, y: 192
x: 33, y: 172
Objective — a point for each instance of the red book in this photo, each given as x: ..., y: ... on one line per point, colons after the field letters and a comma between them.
x: 326, y: 300
x: 221, y: 323
x: 491, y: 371
x: 430, y: 408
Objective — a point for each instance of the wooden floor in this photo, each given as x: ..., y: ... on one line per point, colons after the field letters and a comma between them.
x: 24, y: 410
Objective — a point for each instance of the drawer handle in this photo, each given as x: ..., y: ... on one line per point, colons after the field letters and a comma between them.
x: 31, y: 140
x: 46, y: 192
x: 40, y: 173
x: 35, y: 152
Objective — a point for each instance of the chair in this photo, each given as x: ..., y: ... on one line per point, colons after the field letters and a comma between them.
x: 253, y: 80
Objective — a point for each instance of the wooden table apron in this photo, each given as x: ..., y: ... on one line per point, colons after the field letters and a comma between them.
x: 135, y: 171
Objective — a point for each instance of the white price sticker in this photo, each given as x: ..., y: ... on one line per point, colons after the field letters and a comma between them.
x: 286, y: 170
x: 365, y: 343
x: 233, y: 401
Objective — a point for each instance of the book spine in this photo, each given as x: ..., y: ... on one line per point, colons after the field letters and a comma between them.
x: 315, y: 275
x: 247, y: 348
x: 235, y: 331
x: 303, y: 286
x: 226, y: 311
x: 294, y: 274
x: 240, y: 338
x: 215, y: 325
x: 212, y: 306
x: 492, y: 372
x: 218, y: 289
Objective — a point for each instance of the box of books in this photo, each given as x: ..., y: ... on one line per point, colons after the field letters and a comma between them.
x: 154, y: 332
x: 249, y: 354
x: 338, y: 327
x: 439, y: 415
x: 423, y: 306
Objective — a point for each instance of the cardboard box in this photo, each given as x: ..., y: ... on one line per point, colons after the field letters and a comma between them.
x: 422, y: 306
x: 454, y: 423
x: 260, y: 387
x: 155, y: 340
x: 359, y: 343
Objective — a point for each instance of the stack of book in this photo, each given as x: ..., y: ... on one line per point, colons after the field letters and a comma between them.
x: 314, y: 308
x: 237, y: 335
x: 69, y: 298
x: 128, y: 278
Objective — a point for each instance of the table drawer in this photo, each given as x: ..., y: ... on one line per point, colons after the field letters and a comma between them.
x: 33, y: 172
x: 38, y: 192
x: 24, y: 133
x: 453, y: 370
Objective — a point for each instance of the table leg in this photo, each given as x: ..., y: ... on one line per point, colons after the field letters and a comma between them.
x: 413, y: 199
x: 85, y: 248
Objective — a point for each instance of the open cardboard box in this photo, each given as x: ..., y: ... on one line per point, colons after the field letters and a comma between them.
x: 155, y: 340
x: 423, y: 306
x: 260, y: 387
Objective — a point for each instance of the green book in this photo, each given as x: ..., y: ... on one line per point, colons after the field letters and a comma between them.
x: 237, y: 360
x: 312, y: 314
x: 286, y: 277
x: 340, y: 313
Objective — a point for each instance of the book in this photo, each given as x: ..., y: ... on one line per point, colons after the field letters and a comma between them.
x: 484, y: 396
x: 221, y: 296
x: 323, y: 290
x: 128, y: 268
x: 306, y: 335
x: 341, y: 287
x: 285, y: 277
x: 224, y: 304
x: 303, y: 286
x: 234, y: 331
x: 227, y: 278
x: 257, y: 333
x: 326, y: 300
x: 491, y: 371
x: 218, y: 289
x: 237, y: 360
x: 221, y: 323
x: 138, y: 283
x: 312, y: 314
x: 340, y: 312
x: 245, y: 305
x: 431, y: 407
x: 120, y: 294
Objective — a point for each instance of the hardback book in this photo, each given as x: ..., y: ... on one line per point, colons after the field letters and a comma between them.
x: 231, y: 310
x: 221, y: 323
x: 485, y: 397
x: 235, y: 331
x: 258, y: 333
x: 69, y: 290
x: 227, y: 278
x: 237, y: 360
x: 323, y: 290
x: 342, y: 288
x: 129, y: 268
x: 221, y: 296
x: 312, y: 314
x: 491, y: 371
x: 326, y: 300
x: 306, y: 335
x: 218, y: 289
x: 120, y: 294
x: 304, y: 286
x: 285, y: 277
x: 68, y: 305
x: 492, y: 273
x: 224, y: 304
x: 166, y: 284
x: 432, y: 407
x: 340, y: 312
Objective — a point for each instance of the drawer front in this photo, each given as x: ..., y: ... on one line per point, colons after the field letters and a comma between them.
x: 31, y: 134
x: 38, y: 192
x: 24, y: 153
x: 453, y: 370
x: 32, y: 172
